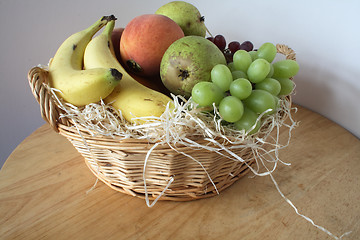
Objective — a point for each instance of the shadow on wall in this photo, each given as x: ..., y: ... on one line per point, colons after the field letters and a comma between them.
x: 318, y: 89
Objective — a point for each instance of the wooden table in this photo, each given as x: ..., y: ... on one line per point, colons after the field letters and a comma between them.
x: 44, y: 195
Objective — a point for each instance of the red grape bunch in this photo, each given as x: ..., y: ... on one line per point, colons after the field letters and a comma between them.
x: 229, y: 50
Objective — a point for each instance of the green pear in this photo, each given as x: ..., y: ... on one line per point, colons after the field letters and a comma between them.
x: 186, y: 15
x: 187, y: 61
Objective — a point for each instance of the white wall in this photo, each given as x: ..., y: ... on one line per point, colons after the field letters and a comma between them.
x: 325, y: 35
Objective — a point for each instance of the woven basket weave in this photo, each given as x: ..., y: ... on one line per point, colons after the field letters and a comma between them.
x: 119, y: 163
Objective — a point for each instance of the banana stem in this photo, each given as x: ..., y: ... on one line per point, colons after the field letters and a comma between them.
x: 108, y: 18
x: 108, y: 32
x: 99, y: 24
x: 109, y: 28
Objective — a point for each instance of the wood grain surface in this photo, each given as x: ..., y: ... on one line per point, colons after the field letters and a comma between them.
x: 44, y: 195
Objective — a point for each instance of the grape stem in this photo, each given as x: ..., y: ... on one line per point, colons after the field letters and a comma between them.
x: 207, y: 30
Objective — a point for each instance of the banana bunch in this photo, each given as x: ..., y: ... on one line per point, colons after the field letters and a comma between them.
x: 77, y: 86
x: 85, y: 70
x: 131, y: 97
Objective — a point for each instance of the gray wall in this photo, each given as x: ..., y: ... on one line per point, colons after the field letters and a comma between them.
x: 324, y: 34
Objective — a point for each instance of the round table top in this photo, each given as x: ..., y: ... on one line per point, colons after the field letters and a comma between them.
x: 45, y: 183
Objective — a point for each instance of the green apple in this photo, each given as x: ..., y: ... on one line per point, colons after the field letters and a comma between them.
x: 187, y: 61
x: 186, y: 15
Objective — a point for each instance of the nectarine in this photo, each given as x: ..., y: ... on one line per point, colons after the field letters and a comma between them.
x: 145, y: 40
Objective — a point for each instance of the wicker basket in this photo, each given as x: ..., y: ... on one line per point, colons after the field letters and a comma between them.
x: 119, y: 163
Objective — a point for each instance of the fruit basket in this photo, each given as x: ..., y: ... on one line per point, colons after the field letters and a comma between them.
x: 157, y: 169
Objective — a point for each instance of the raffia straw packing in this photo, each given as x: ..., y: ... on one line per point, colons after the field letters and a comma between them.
x: 186, y: 122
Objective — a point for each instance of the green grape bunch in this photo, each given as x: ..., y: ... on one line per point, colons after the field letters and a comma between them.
x: 250, y: 85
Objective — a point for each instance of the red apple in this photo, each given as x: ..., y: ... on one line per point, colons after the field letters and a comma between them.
x: 145, y: 40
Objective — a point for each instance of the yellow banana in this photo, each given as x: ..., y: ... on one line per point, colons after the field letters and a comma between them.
x: 78, y: 86
x: 130, y: 97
